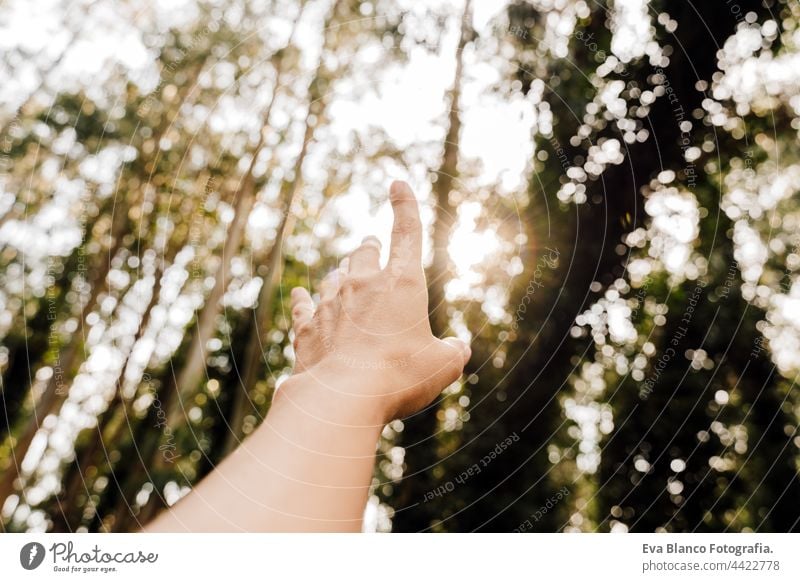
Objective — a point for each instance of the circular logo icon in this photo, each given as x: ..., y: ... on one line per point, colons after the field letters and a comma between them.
x: 31, y: 555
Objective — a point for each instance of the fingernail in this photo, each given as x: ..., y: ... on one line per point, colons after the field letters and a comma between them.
x: 399, y: 189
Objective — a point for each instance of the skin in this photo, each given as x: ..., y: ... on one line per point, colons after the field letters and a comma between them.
x: 364, y: 356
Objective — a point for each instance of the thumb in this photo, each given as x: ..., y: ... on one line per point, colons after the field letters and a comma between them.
x: 462, y: 346
x: 449, y: 357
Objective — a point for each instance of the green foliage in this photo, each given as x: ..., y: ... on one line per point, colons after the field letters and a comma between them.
x: 633, y: 335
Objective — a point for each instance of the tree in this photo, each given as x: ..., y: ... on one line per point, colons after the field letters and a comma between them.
x: 419, y: 433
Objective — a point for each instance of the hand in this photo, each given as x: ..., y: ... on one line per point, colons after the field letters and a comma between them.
x: 365, y: 356
x: 369, y: 339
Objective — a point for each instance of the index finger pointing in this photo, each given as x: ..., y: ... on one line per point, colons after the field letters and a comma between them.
x: 407, y: 230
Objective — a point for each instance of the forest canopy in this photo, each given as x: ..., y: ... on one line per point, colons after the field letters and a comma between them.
x: 610, y: 199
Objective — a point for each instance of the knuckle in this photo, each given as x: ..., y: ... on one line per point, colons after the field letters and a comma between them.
x: 355, y: 284
x: 367, y: 249
x: 408, y: 279
x: 303, y: 331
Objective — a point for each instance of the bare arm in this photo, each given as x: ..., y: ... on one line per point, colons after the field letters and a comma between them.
x: 365, y: 355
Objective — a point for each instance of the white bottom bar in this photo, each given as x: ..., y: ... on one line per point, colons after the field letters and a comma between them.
x: 402, y: 557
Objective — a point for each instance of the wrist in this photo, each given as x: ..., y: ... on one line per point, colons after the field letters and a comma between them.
x: 339, y: 395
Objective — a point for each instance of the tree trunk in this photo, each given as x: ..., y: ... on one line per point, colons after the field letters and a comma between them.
x: 244, y: 199
x: 75, y: 477
x: 55, y: 392
x: 419, y: 433
x: 263, y: 318
x: 178, y: 389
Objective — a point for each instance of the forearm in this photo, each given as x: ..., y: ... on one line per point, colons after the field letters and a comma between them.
x: 306, y: 468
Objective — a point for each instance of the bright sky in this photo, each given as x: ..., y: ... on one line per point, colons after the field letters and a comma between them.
x: 407, y: 102
x: 410, y: 105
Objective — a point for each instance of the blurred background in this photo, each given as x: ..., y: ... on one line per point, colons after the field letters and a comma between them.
x: 610, y: 195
